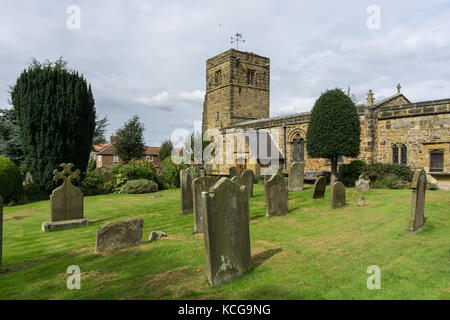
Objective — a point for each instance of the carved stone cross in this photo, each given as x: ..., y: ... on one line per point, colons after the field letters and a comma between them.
x: 399, y: 87
x: 67, y: 175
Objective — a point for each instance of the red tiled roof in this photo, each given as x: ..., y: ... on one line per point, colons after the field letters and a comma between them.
x: 99, y: 147
x: 152, y: 150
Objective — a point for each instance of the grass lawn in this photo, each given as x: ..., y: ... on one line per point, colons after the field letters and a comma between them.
x: 312, y: 253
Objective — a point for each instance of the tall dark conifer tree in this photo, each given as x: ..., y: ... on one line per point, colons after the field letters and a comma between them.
x: 56, y: 116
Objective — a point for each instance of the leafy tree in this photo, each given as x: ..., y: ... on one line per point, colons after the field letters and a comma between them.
x: 10, y: 145
x: 100, y: 129
x: 130, y: 140
x: 56, y: 117
x: 333, y: 128
x: 165, y: 150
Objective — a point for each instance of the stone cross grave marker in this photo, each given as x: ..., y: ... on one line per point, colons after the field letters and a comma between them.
x: 319, y: 187
x: 186, y: 177
x: 337, y: 195
x: 66, y: 201
x: 417, y: 218
x: 276, y: 196
x: 227, y: 232
x: 296, y: 176
x: 199, y: 185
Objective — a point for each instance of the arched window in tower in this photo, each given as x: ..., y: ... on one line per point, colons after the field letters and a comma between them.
x: 298, y: 152
x: 394, y: 154
x: 403, y: 154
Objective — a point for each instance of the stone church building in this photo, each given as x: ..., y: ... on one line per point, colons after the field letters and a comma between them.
x: 394, y: 130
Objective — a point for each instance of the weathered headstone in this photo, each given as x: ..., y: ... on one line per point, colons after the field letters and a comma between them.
x: 1, y: 231
x: 319, y: 187
x: 276, y: 196
x: 119, y: 235
x: 362, y: 201
x: 227, y: 232
x: 419, y: 186
x: 66, y: 201
x: 186, y: 178
x: 199, y: 185
x: 247, y: 178
x: 337, y: 195
x: 296, y: 176
x: 233, y: 171
x: 362, y: 184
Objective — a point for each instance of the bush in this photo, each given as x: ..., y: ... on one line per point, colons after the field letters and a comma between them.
x: 351, y: 172
x: 10, y: 181
x: 259, y: 179
x: 92, y: 184
x: 139, y: 186
x: 171, y: 172
x: 391, y: 176
x: 33, y: 192
x: 92, y: 165
x: 133, y: 170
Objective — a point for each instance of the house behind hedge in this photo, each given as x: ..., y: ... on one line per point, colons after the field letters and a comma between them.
x: 105, y: 155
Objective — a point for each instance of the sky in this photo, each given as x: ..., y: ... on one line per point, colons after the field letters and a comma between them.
x: 148, y: 58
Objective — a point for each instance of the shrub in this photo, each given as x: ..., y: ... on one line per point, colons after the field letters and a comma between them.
x: 391, y: 176
x: 33, y: 192
x: 259, y: 179
x: 139, y: 186
x: 133, y: 170
x: 92, y: 184
x: 171, y: 172
x: 351, y: 172
x: 92, y: 164
x: 10, y: 181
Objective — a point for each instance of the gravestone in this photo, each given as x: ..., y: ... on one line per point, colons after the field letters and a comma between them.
x: 419, y: 186
x: 227, y: 232
x: 247, y: 179
x: 362, y: 184
x: 362, y: 201
x: 186, y: 177
x: 276, y: 196
x: 1, y: 231
x: 319, y: 187
x: 337, y: 195
x: 66, y: 201
x: 296, y: 176
x: 199, y: 185
x: 119, y: 235
x: 233, y: 171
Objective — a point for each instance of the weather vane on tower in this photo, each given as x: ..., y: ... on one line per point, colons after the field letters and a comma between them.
x: 237, y: 37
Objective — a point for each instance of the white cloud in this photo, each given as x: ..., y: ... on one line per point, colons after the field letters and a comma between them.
x: 160, y: 101
x: 196, y: 96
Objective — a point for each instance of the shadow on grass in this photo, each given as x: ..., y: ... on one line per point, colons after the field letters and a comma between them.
x: 260, y: 258
x: 91, y: 222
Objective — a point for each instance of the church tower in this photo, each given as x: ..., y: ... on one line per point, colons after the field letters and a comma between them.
x: 237, y: 89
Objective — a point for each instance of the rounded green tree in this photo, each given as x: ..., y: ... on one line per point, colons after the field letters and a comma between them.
x: 333, y: 129
x: 56, y: 118
x: 10, y: 180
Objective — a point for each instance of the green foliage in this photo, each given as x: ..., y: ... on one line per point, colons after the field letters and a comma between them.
x: 10, y: 181
x: 56, y: 116
x: 333, y: 128
x: 352, y: 171
x: 100, y: 129
x: 139, y: 186
x: 171, y: 172
x: 133, y: 170
x: 92, y: 184
x: 165, y: 150
x: 33, y: 192
x: 92, y: 165
x: 392, y: 176
x: 130, y: 140
x: 10, y: 145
